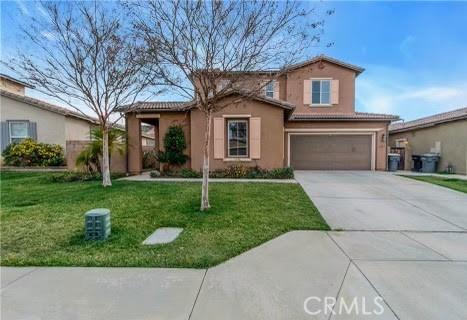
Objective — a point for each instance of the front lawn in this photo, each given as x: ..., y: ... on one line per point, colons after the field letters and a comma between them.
x: 455, y: 184
x: 42, y: 222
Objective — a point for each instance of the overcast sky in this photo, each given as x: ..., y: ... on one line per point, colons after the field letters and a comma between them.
x: 414, y: 53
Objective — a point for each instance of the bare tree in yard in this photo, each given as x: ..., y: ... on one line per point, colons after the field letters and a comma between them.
x: 205, y: 49
x: 84, y: 58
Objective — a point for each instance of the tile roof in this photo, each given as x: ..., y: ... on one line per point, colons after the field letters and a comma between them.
x: 155, y: 105
x: 323, y: 57
x: 453, y: 115
x: 46, y: 106
x: 186, y: 105
x: 343, y: 116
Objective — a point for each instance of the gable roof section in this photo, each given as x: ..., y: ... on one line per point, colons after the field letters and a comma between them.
x: 362, y: 116
x: 323, y: 57
x: 458, y: 114
x: 46, y: 106
x: 179, y: 106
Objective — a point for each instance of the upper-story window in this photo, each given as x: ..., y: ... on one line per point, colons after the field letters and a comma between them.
x: 269, y: 89
x: 321, y: 92
x: 18, y: 131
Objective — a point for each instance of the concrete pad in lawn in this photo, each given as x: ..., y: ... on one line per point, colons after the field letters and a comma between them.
x: 382, y: 246
x: 356, y: 288
x: 371, y: 214
x: 273, y: 280
x: 102, y: 293
x: 426, y: 290
x: 452, y: 245
x: 454, y: 210
x: 12, y: 274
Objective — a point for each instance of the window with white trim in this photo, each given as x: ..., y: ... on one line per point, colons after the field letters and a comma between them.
x: 269, y: 89
x: 321, y: 92
x: 237, y: 138
x: 18, y: 131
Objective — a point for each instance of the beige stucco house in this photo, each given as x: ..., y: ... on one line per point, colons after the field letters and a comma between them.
x: 23, y: 116
x: 443, y: 133
x: 305, y: 118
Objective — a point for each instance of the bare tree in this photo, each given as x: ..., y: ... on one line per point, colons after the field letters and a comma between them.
x: 83, y: 56
x: 205, y: 49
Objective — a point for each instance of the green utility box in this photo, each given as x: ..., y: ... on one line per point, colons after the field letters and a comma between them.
x: 97, y: 224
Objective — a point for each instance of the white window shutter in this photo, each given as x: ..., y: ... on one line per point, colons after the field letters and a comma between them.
x: 276, y: 90
x: 334, y: 91
x: 219, y: 133
x: 255, y: 138
x: 307, y: 92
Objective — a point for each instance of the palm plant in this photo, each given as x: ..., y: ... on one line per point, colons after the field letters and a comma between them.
x: 90, y: 158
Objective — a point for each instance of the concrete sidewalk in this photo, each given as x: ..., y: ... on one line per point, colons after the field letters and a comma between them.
x: 416, y: 277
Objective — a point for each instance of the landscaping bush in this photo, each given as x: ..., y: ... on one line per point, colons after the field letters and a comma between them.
x: 32, y: 153
x: 149, y: 159
x: 189, y: 173
x: 154, y: 174
x: 241, y: 171
x: 72, y: 176
x: 237, y: 171
x: 174, y: 145
x: 280, y: 173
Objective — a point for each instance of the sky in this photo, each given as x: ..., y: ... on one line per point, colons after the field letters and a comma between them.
x: 414, y: 53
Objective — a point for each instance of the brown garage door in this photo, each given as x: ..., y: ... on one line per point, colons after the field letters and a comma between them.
x: 330, y: 152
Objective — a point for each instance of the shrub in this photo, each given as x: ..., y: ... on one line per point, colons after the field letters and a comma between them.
x: 241, y: 171
x: 89, y: 158
x: 32, y: 153
x: 280, y: 173
x: 154, y: 174
x: 149, y: 159
x: 72, y: 176
x: 189, y: 173
x: 174, y: 145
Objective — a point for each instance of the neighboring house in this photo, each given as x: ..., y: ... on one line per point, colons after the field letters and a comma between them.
x: 26, y: 117
x: 443, y: 133
x: 305, y: 119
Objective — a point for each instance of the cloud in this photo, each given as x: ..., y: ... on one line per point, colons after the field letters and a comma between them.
x: 396, y: 91
x: 22, y: 7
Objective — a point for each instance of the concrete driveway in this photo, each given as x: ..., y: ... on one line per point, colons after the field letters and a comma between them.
x: 362, y: 200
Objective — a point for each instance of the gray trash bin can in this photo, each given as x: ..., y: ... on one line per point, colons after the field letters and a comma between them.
x: 429, y: 162
x: 393, y: 161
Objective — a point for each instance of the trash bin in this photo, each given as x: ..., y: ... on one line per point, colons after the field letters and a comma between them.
x: 393, y: 161
x: 429, y: 162
x: 417, y: 163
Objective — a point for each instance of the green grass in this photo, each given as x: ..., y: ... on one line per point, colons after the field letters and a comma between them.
x: 451, y: 183
x: 42, y: 222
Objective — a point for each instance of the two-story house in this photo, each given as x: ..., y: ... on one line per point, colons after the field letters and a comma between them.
x: 305, y: 118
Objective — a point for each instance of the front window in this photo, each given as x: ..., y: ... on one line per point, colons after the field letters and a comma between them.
x: 269, y: 89
x: 320, y: 92
x: 237, y: 138
x: 18, y: 131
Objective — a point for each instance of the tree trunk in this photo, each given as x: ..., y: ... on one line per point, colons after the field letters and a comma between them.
x: 105, y: 158
x: 205, y: 188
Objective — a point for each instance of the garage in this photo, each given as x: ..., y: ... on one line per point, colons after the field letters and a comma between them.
x: 331, y: 151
